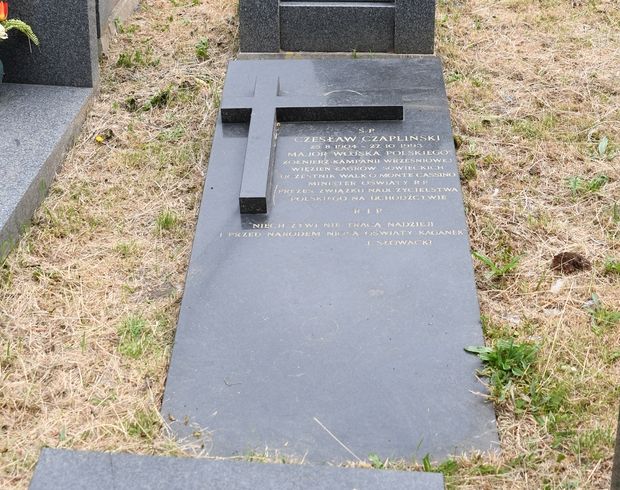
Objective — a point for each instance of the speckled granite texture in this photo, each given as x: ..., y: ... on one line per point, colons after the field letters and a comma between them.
x: 312, y: 26
x: 70, y: 470
x: 68, y: 53
x: 259, y: 25
x: 37, y: 124
x: 383, y: 26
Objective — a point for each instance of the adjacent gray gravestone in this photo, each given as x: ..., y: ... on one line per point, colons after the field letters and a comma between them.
x: 68, y: 54
x: 400, y: 26
x: 69, y: 470
x: 43, y: 102
x: 615, y: 477
x: 109, y: 13
x: 37, y: 124
x: 333, y: 326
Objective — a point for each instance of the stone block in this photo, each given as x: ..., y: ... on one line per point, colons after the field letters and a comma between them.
x: 381, y: 26
x: 68, y: 54
x: 259, y: 25
x: 336, y: 26
x: 37, y: 124
x: 69, y: 470
x: 414, y: 26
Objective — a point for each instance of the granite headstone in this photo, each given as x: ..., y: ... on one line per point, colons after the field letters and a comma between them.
x: 382, y: 26
x: 68, y: 54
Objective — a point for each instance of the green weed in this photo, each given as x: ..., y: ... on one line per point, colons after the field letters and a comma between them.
x: 505, y: 362
x: 579, y: 186
x: 612, y: 266
x: 166, y: 221
x: 143, y: 425
x: 126, y: 249
x: 605, y: 150
x: 202, y: 49
x: 173, y: 134
x: 454, y: 76
x: 469, y: 170
x: 134, y: 337
x: 124, y: 29
x: 160, y: 99
x: 601, y: 317
x: 136, y: 59
x: 376, y: 462
x: 498, y: 270
x: 594, y: 445
x: 615, y: 213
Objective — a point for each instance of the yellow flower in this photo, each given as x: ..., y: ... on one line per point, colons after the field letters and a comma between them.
x: 3, y: 34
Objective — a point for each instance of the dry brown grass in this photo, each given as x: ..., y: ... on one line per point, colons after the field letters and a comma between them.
x: 533, y: 89
x: 88, y: 301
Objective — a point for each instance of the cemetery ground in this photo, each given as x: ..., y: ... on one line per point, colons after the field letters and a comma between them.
x: 89, y: 299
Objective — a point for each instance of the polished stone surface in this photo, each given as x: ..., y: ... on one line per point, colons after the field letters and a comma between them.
x: 264, y: 106
x: 68, y: 470
x: 384, y: 26
x: 414, y: 26
x: 68, y: 55
x: 259, y: 25
x: 37, y: 123
x: 340, y: 318
x: 336, y: 26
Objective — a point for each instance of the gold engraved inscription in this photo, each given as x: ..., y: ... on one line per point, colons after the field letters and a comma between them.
x: 367, y: 171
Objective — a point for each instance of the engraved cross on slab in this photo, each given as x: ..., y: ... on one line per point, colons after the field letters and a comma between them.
x: 267, y: 107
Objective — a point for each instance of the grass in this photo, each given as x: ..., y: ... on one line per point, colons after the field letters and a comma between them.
x: 134, y: 337
x: 202, y: 49
x: 602, y: 317
x: 89, y: 298
x: 580, y: 186
x: 166, y: 221
x: 612, y: 266
x: 497, y: 270
x: 505, y: 363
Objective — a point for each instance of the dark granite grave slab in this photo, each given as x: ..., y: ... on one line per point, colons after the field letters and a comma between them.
x: 37, y: 124
x: 67, y: 30
x: 68, y: 470
x: 338, y: 319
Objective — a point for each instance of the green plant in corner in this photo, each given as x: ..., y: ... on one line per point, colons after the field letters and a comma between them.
x: 7, y: 25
